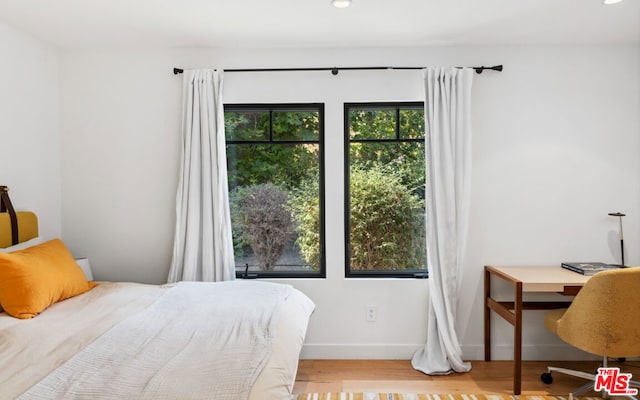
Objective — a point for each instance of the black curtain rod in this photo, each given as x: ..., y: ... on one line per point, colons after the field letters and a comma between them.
x: 335, y: 70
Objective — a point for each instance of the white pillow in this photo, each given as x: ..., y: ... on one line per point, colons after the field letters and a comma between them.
x: 86, y: 267
x: 23, y: 245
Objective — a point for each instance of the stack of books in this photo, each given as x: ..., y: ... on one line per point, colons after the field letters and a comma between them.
x: 588, y: 268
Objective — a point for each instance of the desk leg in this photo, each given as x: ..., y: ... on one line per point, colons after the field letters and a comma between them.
x: 514, y: 318
x: 517, y: 341
x: 487, y: 315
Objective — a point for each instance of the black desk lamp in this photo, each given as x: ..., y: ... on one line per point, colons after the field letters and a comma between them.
x: 620, y: 215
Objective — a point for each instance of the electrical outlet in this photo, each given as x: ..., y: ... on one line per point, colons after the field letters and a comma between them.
x: 372, y: 313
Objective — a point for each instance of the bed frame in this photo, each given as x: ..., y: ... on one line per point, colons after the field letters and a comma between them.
x: 15, y: 227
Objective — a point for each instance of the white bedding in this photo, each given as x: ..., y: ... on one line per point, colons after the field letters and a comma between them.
x: 31, y: 350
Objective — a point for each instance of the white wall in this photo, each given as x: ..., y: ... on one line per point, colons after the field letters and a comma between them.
x: 556, y: 141
x: 29, y: 127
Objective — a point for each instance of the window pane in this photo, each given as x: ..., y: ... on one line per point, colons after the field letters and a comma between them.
x: 386, y: 191
x: 372, y: 123
x: 296, y: 125
x: 274, y: 194
x: 246, y: 125
x: 412, y: 124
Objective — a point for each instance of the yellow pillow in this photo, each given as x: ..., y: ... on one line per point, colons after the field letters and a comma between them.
x: 35, y: 278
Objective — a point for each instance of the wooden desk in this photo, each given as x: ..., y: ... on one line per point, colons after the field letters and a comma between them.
x: 525, y: 279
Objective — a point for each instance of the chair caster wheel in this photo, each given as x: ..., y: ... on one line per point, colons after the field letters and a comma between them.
x: 546, y: 378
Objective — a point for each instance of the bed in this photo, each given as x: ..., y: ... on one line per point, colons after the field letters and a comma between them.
x: 189, y: 340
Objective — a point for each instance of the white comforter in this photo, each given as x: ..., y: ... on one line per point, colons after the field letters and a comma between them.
x: 175, y: 349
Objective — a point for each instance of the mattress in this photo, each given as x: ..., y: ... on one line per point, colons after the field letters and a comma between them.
x: 33, y: 350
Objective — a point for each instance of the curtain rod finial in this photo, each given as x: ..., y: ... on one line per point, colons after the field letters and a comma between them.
x: 494, y: 68
x: 177, y: 71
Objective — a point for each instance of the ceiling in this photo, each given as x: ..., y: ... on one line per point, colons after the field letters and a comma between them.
x: 74, y: 24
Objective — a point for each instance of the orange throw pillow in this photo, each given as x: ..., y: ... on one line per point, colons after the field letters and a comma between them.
x: 35, y: 278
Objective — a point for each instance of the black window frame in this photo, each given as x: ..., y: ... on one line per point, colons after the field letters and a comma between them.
x: 397, y: 106
x: 271, y: 107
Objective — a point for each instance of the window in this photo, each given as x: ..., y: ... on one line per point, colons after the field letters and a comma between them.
x: 276, y: 186
x: 384, y: 190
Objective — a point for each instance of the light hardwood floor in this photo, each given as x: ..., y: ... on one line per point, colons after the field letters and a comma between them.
x: 493, y: 377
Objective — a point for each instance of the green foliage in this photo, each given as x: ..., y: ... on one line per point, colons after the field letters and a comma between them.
x: 240, y: 245
x: 265, y: 222
x: 372, y: 124
x: 283, y: 164
x: 387, y: 222
x: 304, y: 204
x: 295, y: 125
x: 246, y: 125
x: 412, y: 123
x: 406, y: 159
x: 380, y: 123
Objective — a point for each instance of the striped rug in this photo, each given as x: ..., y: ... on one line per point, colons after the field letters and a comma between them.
x: 415, y: 396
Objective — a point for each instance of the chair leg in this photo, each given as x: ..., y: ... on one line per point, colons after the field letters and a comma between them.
x: 579, y: 374
x: 582, y: 389
x: 588, y: 376
x: 634, y: 384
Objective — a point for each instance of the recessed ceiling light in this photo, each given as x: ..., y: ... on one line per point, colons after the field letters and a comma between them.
x: 612, y: 1
x: 343, y: 3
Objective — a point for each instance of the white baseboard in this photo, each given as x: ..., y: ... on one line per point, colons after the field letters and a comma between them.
x: 358, y: 351
x: 531, y: 352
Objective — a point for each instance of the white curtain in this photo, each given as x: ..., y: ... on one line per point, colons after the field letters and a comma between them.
x: 203, y: 245
x: 448, y: 159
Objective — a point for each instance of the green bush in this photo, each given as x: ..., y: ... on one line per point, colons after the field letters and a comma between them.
x: 304, y: 204
x: 264, y: 222
x: 240, y: 245
x: 387, y: 222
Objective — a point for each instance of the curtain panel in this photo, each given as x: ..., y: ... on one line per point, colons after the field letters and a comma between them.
x: 203, y: 245
x: 447, y: 192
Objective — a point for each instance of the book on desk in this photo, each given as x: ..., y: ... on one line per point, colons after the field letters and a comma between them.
x: 588, y: 268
